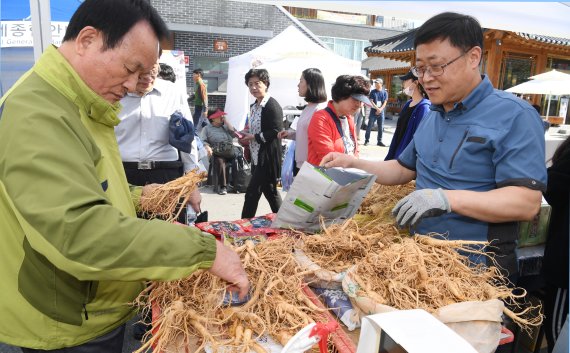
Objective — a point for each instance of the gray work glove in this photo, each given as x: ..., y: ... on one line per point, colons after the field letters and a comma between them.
x: 420, y: 204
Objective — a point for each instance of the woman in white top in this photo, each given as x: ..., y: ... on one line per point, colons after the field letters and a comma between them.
x: 311, y: 87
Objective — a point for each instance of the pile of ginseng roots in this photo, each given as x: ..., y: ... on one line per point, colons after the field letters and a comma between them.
x: 390, y: 267
x: 409, y: 272
x: 166, y: 201
x: 193, y: 315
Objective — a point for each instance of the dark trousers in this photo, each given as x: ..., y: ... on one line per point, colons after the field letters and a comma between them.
x: 219, y: 169
x: 111, y: 342
x: 555, y: 313
x: 372, y: 118
x: 142, y: 177
x: 260, y: 183
x: 198, y: 110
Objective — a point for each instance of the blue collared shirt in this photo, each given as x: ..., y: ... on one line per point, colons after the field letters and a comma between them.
x: 489, y: 140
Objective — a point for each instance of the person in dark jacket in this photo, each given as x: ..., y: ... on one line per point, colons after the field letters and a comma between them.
x: 265, y: 122
x: 555, y: 262
x: 411, y: 115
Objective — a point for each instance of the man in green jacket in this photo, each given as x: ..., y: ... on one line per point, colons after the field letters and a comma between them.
x: 73, y: 253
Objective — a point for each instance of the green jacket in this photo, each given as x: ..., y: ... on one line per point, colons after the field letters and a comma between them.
x: 73, y: 254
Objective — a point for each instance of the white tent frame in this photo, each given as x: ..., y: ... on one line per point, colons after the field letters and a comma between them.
x: 41, y: 26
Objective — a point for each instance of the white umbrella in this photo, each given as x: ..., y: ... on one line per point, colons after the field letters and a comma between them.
x: 549, y: 83
x: 552, y: 75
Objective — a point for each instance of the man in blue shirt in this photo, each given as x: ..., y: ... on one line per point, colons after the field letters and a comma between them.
x: 378, y: 98
x: 477, y: 157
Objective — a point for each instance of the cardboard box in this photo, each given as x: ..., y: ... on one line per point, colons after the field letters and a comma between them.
x: 535, y: 232
x: 334, y: 194
x: 409, y: 331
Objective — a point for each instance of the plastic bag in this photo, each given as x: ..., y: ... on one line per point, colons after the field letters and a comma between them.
x: 242, y: 174
x: 287, y: 169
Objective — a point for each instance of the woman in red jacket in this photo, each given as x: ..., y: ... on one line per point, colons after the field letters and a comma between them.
x: 332, y: 129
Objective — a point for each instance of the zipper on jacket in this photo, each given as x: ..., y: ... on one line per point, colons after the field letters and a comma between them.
x: 87, y: 299
x: 457, y: 149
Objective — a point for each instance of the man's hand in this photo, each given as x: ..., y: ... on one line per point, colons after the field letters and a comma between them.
x: 208, y: 150
x: 228, y: 267
x: 378, y: 111
x: 420, y: 204
x: 337, y: 159
x: 148, y: 188
x: 283, y: 134
x: 146, y: 191
x: 195, y: 200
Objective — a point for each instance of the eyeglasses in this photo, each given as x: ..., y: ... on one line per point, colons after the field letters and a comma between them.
x: 433, y: 70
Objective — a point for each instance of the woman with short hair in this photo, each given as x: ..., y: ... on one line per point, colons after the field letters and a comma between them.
x: 332, y: 129
x: 265, y: 123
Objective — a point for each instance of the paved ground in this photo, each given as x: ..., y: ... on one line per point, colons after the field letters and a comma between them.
x: 228, y: 207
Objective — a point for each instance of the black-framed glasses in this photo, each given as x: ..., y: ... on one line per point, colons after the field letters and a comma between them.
x: 434, y: 70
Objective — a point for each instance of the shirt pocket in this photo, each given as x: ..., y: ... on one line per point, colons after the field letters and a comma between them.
x: 157, y: 130
x: 473, y: 151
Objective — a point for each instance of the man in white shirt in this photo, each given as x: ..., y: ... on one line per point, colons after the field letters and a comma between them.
x: 143, y: 135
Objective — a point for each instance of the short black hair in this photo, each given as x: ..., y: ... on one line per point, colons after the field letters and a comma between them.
x: 167, y: 73
x: 261, y: 74
x: 200, y: 72
x: 114, y: 18
x: 463, y: 31
x: 347, y: 85
x: 316, y: 91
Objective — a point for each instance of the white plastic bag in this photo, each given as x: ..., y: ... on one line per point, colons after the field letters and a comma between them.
x: 287, y: 168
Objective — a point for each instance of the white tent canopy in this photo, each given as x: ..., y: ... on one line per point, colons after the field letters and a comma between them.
x: 284, y: 57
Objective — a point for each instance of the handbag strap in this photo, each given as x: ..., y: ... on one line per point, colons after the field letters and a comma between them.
x: 337, y: 122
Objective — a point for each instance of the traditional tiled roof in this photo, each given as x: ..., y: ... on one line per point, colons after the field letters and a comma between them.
x: 376, y: 62
x: 399, y: 43
x: 405, y: 42
x: 545, y: 39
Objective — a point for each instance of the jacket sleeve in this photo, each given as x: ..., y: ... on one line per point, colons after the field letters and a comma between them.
x: 63, y: 207
x: 419, y: 113
x: 204, y: 136
x: 271, y: 122
x: 136, y: 192
x: 321, y: 136
x: 189, y: 160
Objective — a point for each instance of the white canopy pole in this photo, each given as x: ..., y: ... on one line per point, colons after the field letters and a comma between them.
x: 41, y: 26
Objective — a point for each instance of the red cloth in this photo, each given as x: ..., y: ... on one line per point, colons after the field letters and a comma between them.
x: 324, y: 136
